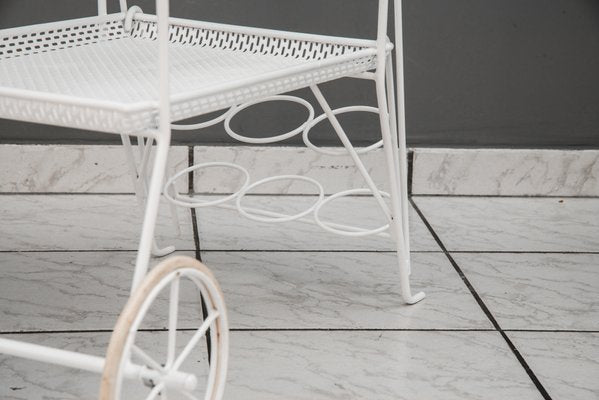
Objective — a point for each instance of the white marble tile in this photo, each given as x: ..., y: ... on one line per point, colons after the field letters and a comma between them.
x: 60, y: 291
x: 317, y: 365
x: 381, y: 365
x: 341, y: 290
x: 73, y: 168
x: 83, y: 222
x: 223, y: 229
x: 514, y: 224
x: 31, y: 380
x: 25, y: 379
x: 537, y: 291
x: 506, y: 172
x: 566, y: 363
x: 57, y: 291
x: 335, y: 173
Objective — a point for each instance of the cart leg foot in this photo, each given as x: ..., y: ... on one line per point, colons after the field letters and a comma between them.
x: 161, y: 252
x: 415, y: 298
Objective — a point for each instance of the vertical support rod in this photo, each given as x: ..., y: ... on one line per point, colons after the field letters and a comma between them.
x: 163, y: 138
x: 397, y: 225
x: 396, y: 159
x: 398, y: 196
x: 102, y: 7
x: 401, y: 107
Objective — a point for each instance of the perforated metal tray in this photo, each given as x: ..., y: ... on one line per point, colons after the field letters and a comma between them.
x: 99, y: 74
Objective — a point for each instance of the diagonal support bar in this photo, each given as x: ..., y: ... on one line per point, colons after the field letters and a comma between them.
x: 351, y: 150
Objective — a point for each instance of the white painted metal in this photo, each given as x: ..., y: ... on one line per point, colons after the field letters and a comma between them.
x: 89, y: 363
x: 163, y: 138
x: 401, y: 114
x: 168, y: 374
x: 278, y: 138
x: 202, y: 125
x: 343, y: 110
x: 353, y: 231
x: 341, y: 228
x: 118, y: 98
x: 260, y: 218
x: 102, y: 6
x: 351, y: 150
x: 139, y: 172
x: 189, y: 201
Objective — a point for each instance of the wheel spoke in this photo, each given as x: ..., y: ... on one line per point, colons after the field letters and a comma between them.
x: 194, y: 340
x: 172, y: 321
x: 147, y: 359
x: 155, y: 391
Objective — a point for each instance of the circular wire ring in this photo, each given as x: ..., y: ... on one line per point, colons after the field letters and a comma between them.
x: 342, y: 152
x: 205, y: 124
x: 361, y: 231
x: 271, y: 139
x: 287, y: 218
x: 188, y: 201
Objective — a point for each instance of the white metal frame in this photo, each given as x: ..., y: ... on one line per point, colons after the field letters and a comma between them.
x: 343, y: 57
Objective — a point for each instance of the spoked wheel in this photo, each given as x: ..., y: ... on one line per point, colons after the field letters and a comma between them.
x: 138, y: 368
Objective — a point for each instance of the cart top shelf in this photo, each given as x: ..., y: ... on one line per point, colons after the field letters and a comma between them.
x: 101, y: 73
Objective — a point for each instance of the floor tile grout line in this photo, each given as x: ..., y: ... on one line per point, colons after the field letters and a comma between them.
x: 67, y: 193
x: 507, y: 196
x: 553, y: 330
x: 484, y: 307
x: 311, y: 251
x: 190, y: 187
x: 218, y: 251
x: 520, y: 252
x: 393, y: 252
x: 306, y: 251
x: 307, y: 330
x: 83, y: 251
x: 410, y: 158
x: 74, y: 331
x: 196, y: 236
x: 482, y: 196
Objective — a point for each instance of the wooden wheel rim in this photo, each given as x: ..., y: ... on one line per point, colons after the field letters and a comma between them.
x: 121, y: 335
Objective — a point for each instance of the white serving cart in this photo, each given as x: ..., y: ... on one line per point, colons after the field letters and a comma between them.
x: 134, y: 74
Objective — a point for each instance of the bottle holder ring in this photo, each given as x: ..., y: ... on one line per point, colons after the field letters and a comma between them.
x: 190, y: 202
x: 343, y: 110
x: 205, y: 124
x: 271, y: 139
x: 267, y: 216
x: 347, y: 232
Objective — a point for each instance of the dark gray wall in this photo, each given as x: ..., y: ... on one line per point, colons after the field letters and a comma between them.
x: 491, y: 73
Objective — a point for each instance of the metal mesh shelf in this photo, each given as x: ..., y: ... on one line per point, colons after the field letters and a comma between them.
x: 101, y: 73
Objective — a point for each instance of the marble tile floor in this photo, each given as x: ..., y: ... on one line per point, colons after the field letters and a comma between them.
x: 512, y: 307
